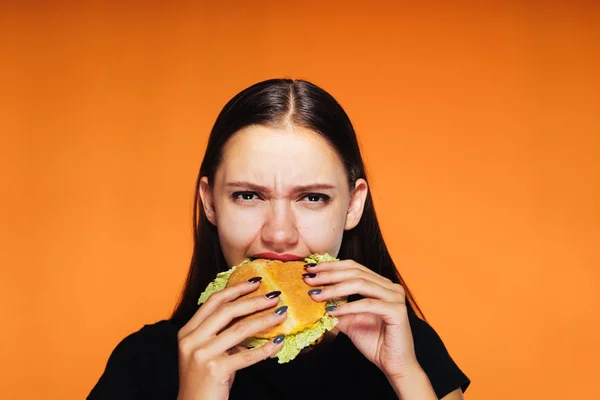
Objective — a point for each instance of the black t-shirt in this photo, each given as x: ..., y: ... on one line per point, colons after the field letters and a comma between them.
x: 145, y: 366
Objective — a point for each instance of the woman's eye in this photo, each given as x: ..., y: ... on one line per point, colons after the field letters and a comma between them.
x: 244, y: 196
x: 316, y: 197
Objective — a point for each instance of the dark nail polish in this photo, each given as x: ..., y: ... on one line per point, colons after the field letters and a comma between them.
x: 311, y: 275
x: 309, y: 265
x: 255, y: 279
x: 272, y: 295
x: 330, y: 308
x: 315, y: 291
x: 279, y: 339
x: 281, y: 310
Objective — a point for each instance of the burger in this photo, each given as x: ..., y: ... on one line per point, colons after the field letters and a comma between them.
x: 307, y: 321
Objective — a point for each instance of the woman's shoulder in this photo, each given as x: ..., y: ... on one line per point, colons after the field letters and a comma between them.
x: 143, y: 363
x: 435, y: 359
x: 149, y: 340
x: 161, y: 331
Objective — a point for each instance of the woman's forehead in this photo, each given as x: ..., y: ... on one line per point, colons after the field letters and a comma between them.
x: 288, y: 155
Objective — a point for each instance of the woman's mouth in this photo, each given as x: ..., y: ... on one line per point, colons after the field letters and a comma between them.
x: 280, y: 257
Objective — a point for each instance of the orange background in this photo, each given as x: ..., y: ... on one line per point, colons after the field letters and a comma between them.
x: 480, y: 126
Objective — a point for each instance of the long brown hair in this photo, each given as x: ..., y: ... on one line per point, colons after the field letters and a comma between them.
x: 269, y: 103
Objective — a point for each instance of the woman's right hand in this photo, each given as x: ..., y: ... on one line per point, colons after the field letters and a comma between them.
x: 209, y: 351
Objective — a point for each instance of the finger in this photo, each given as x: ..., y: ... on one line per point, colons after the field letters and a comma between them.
x: 247, y: 358
x: 359, y: 286
x: 235, y: 350
x: 391, y: 313
x: 216, y: 299
x: 343, y: 264
x: 347, y: 265
x: 332, y: 276
x: 242, y: 330
x: 226, y: 313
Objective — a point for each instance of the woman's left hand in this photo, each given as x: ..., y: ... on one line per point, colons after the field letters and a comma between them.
x: 377, y: 324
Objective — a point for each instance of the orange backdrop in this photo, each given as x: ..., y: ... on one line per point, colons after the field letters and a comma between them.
x: 480, y: 126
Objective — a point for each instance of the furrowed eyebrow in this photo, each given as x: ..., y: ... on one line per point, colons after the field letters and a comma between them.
x: 247, y: 186
x: 314, y: 187
x: 264, y: 189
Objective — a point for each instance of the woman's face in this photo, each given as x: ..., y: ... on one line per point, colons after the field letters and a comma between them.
x: 280, y: 193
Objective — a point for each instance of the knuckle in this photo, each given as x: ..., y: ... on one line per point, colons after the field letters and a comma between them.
x: 261, y: 353
x: 400, y: 300
x: 215, y: 298
x: 400, y: 289
x: 223, y: 308
x: 240, y: 329
x: 370, y: 302
x: 214, y: 368
x: 258, y: 302
x: 198, y: 357
x: 246, y: 357
x: 249, y: 356
x: 219, y: 296
x: 185, y: 345
x: 265, y: 351
x: 358, y: 266
x: 360, y: 281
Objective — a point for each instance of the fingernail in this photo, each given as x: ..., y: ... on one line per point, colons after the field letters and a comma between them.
x: 272, y: 295
x: 255, y: 279
x: 278, y: 339
x: 309, y: 265
x: 281, y: 310
x: 315, y: 291
x: 330, y: 308
x: 311, y: 275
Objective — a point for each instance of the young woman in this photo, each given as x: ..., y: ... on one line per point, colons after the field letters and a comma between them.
x: 282, y: 177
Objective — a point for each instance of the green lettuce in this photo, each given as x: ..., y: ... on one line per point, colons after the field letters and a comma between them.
x: 317, y: 258
x: 219, y: 283
x: 294, y: 343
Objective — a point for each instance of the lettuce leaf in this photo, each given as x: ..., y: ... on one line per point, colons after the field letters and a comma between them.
x: 317, y: 258
x: 294, y: 343
x: 219, y: 283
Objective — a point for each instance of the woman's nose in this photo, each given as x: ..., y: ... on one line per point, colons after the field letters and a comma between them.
x: 279, y: 229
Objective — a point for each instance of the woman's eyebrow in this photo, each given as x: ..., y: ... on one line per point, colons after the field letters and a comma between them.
x: 265, y: 189
x: 313, y: 187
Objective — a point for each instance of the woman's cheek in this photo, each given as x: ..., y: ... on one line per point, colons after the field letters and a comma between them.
x: 321, y: 233
x: 239, y: 228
